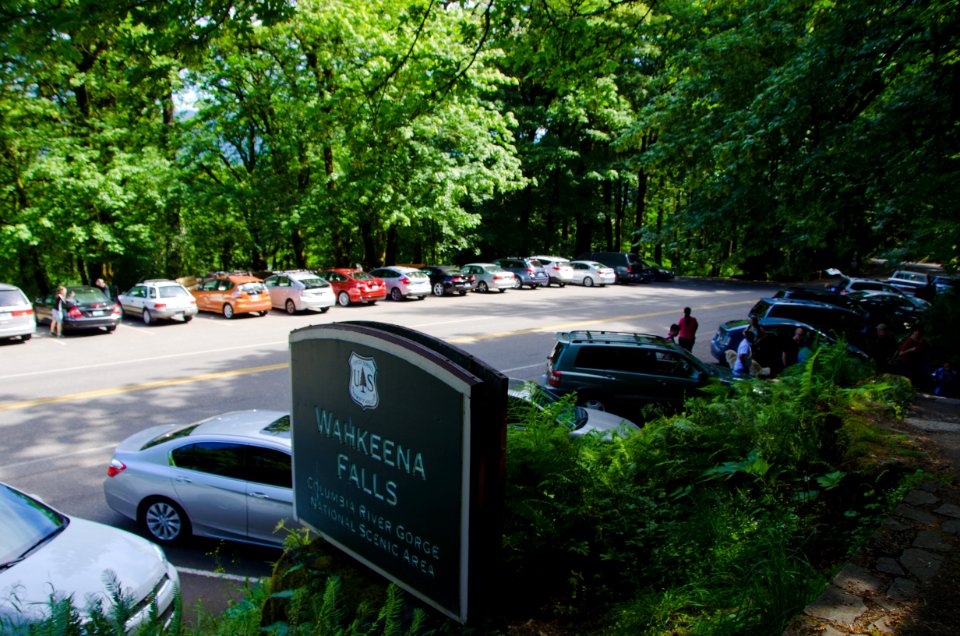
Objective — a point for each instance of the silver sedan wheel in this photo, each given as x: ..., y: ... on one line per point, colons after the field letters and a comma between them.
x: 164, y: 521
x: 588, y: 282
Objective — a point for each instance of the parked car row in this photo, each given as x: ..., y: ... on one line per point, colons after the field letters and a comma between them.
x: 853, y: 312
x: 229, y: 294
x: 923, y: 284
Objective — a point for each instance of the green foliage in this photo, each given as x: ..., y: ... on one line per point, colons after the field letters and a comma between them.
x: 720, y: 516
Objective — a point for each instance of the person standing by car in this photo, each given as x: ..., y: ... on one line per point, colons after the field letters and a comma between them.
x: 744, y: 360
x: 688, y: 330
x: 884, y: 348
x: 792, y: 347
x: 102, y: 286
x: 56, y: 314
x: 912, y: 359
x: 672, y: 334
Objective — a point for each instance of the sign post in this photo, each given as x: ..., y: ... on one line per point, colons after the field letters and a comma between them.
x: 398, y: 445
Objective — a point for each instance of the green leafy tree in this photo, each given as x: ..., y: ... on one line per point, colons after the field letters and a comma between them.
x: 811, y: 134
x: 351, y: 133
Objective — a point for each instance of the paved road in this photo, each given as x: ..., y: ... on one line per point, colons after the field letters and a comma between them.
x: 65, y: 403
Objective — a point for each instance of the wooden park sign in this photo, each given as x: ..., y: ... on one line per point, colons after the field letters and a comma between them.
x: 398, y: 457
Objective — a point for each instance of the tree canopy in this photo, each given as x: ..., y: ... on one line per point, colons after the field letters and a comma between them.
x: 772, y: 138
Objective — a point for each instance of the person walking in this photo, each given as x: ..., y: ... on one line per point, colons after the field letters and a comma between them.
x: 688, y: 330
x: 56, y: 314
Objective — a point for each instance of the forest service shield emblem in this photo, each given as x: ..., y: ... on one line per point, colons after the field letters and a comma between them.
x: 363, y: 381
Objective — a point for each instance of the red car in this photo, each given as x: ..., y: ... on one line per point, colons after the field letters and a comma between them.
x: 355, y: 286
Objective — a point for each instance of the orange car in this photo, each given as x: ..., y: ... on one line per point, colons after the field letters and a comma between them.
x: 231, y: 294
x: 355, y: 286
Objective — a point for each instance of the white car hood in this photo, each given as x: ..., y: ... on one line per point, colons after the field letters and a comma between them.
x: 77, y: 563
x: 604, y: 423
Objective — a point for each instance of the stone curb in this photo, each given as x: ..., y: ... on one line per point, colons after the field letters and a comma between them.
x: 886, y: 578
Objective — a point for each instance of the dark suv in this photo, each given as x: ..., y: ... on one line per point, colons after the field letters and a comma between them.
x: 628, y: 267
x: 831, y: 319
x: 528, y: 271
x: 622, y: 372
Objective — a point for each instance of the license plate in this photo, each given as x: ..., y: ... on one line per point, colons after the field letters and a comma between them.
x: 4, y: 317
x: 96, y: 313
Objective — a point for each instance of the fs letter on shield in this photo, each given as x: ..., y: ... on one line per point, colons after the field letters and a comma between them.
x: 363, y: 381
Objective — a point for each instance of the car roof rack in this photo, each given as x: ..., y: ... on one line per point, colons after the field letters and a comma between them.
x: 618, y: 337
x: 293, y: 271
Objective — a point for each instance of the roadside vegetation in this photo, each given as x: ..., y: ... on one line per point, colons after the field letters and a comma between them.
x: 725, y: 519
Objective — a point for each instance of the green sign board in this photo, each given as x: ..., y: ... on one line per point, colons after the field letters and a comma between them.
x: 383, y: 459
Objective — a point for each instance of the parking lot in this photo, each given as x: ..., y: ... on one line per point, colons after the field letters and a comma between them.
x: 65, y: 403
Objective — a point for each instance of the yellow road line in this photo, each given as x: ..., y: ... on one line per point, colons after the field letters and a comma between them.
x: 131, y: 388
x: 159, y: 384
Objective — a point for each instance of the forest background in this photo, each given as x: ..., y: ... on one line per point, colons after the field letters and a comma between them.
x: 772, y: 139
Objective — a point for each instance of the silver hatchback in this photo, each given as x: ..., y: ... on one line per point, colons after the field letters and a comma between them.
x: 226, y: 477
x: 299, y: 291
x: 17, y: 319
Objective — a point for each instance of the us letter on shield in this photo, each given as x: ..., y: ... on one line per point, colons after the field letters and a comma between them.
x: 363, y: 381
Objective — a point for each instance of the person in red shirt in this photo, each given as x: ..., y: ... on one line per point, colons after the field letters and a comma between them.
x: 688, y: 330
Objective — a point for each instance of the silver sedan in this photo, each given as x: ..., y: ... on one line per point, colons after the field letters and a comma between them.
x: 226, y: 477
x: 590, y: 273
x: 490, y: 277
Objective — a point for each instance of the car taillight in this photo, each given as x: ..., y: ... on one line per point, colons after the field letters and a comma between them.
x: 159, y: 305
x: 553, y: 378
x: 75, y: 312
x: 116, y: 310
x: 23, y: 312
x: 115, y: 468
x: 529, y: 271
x: 405, y: 280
